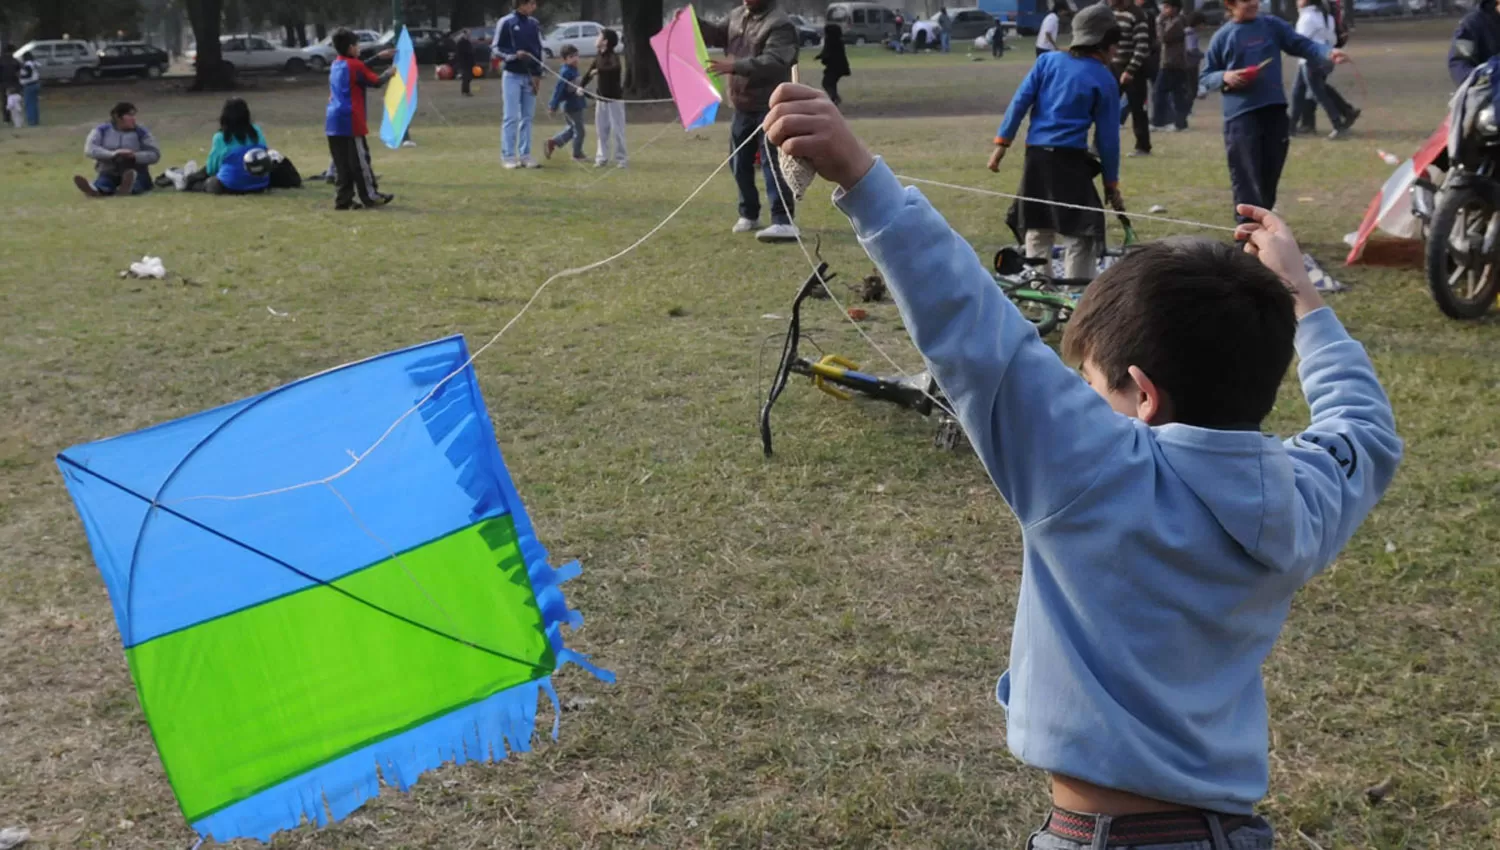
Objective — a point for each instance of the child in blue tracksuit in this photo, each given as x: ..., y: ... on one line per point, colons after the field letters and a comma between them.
x: 1244, y: 60
x: 569, y: 95
x: 1164, y: 535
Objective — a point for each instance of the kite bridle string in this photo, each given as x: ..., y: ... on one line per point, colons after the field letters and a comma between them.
x: 565, y: 273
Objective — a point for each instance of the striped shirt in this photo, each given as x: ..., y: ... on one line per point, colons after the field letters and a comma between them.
x: 1135, y: 42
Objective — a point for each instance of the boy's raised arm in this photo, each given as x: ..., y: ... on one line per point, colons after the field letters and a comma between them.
x: 1042, y: 434
x: 1346, y: 458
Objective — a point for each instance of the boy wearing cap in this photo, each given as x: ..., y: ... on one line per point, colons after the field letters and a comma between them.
x: 1065, y: 93
x: 1244, y: 60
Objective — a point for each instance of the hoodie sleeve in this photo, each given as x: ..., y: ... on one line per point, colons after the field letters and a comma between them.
x: 1460, y: 67
x: 1346, y: 458
x: 1107, y: 134
x: 216, y: 152
x: 149, y: 154
x: 93, y: 146
x: 1041, y: 433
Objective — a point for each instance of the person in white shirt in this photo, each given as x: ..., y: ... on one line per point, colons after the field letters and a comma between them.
x: 1046, y: 37
x: 1312, y: 88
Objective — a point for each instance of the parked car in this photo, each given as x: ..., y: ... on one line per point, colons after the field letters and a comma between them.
x: 255, y: 53
x: 807, y: 34
x: 132, y: 59
x: 864, y: 23
x: 319, y: 56
x: 968, y: 23
x: 583, y: 35
x: 1378, y: 8
x: 57, y: 59
x: 432, y: 46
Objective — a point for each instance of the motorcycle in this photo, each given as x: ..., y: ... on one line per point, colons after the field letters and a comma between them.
x: 1463, y: 222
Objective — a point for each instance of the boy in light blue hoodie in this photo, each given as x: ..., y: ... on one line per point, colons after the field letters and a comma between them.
x: 1164, y: 535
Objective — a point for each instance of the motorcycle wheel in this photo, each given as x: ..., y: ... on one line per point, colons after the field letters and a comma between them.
x: 1463, y: 283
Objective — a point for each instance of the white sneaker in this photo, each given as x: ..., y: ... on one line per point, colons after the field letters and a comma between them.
x: 745, y: 225
x: 408, y: 144
x: 599, y: 163
x: 191, y: 167
x: 619, y: 165
x: 179, y: 180
x: 779, y: 233
x: 510, y: 164
x: 528, y: 162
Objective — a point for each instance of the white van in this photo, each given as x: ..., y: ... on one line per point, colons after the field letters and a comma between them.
x: 864, y: 23
x: 57, y: 59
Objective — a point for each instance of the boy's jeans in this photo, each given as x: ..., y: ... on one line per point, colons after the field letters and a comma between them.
x: 1169, y: 98
x: 573, y: 132
x: 747, y: 125
x: 519, y: 103
x: 31, y: 95
x: 1256, y: 143
x: 1257, y: 835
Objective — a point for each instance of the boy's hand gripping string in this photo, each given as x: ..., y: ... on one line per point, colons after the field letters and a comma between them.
x: 796, y: 171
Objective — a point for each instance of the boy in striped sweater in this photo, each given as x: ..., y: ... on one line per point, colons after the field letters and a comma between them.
x: 1130, y: 69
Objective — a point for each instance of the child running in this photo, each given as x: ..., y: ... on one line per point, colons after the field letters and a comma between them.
x: 1244, y: 60
x: 609, y: 109
x: 568, y: 95
x: 1065, y: 93
x: 345, y: 123
x: 1164, y: 535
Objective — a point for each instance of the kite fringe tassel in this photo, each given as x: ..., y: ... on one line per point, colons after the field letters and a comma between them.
x: 486, y: 731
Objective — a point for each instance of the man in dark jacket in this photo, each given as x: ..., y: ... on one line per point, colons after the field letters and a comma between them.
x: 760, y: 48
x: 1475, y: 42
x: 10, y: 76
x: 463, y: 60
x: 1131, y: 66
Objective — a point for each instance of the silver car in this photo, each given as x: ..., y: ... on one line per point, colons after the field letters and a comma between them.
x: 57, y: 59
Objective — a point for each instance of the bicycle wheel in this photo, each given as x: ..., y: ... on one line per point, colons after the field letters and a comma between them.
x: 1039, y: 313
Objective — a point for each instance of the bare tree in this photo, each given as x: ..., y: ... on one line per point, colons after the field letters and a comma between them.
x: 211, y: 73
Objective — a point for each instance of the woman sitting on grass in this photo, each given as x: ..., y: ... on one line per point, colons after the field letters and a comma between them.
x: 227, y: 172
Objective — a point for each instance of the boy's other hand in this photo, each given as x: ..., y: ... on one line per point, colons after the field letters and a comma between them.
x: 522, y: 55
x: 1271, y: 241
x: 1114, y: 198
x: 804, y: 123
x: 1238, y: 79
x: 1338, y: 56
x: 996, y: 156
x: 722, y: 67
x: 387, y: 53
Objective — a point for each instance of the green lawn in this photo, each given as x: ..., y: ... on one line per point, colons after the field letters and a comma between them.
x: 807, y: 645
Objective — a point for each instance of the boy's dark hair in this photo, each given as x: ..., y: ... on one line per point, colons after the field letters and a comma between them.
x: 611, y: 40
x: 566, y: 51
x: 121, y: 109
x: 1206, y: 322
x: 343, y: 39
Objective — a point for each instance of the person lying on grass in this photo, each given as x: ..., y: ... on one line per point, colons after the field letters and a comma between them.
x: 123, y: 153
x: 1164, y: 535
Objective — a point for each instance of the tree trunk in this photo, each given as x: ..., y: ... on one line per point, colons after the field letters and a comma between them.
x: 588, y: 10
x: 320, y: 29
x: 643, y: 77
x: 211, y: 74
x: 464, y: 13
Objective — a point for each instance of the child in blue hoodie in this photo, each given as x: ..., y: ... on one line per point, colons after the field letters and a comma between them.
x: 1163, y: 534
x: 569, y: 95
x: 1244, y: 60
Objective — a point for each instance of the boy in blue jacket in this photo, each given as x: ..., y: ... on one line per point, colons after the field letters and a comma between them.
x: 1244, y: 60
x: 569, y: 96
x: 1163, y: 534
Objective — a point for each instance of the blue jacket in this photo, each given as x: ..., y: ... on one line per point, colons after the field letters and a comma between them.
x: 1481, y: 29
x: 514, y: 33
x: 1065, y: 95
x: 232, y: 173
x: 1159, y: 562
x: 1237, y: 46
x: 566, y: 93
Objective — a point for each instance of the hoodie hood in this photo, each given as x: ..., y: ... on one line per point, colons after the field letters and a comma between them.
x: 1246, y: 481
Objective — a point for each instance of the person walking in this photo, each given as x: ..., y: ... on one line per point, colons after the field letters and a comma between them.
x: 760, y: 48
x: 1046, y: 37
x: 945, y: 29
x: 1130, y: 64
x: 463, y: 60
x: 31, y: 89
x: 1170, y: 98
x: 835, y: 61
x: 1312, y: 88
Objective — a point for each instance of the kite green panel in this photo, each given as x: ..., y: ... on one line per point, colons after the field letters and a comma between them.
x: 307, y: 677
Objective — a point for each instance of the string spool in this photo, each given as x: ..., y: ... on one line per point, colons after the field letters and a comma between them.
x: 796, y: 171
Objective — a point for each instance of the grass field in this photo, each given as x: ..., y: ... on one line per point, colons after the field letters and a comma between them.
x: 807, y: 646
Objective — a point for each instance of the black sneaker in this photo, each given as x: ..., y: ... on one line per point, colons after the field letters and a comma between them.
x: 343, y: 207
x: 1351, y: 118
x: 381, y: 199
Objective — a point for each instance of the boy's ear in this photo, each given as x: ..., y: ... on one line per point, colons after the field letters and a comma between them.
x: 1152, y: 405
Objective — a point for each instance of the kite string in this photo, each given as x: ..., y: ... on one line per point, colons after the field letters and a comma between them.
x: 585, y: 92
x: 1185, y: 222
x: 565, y: 273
